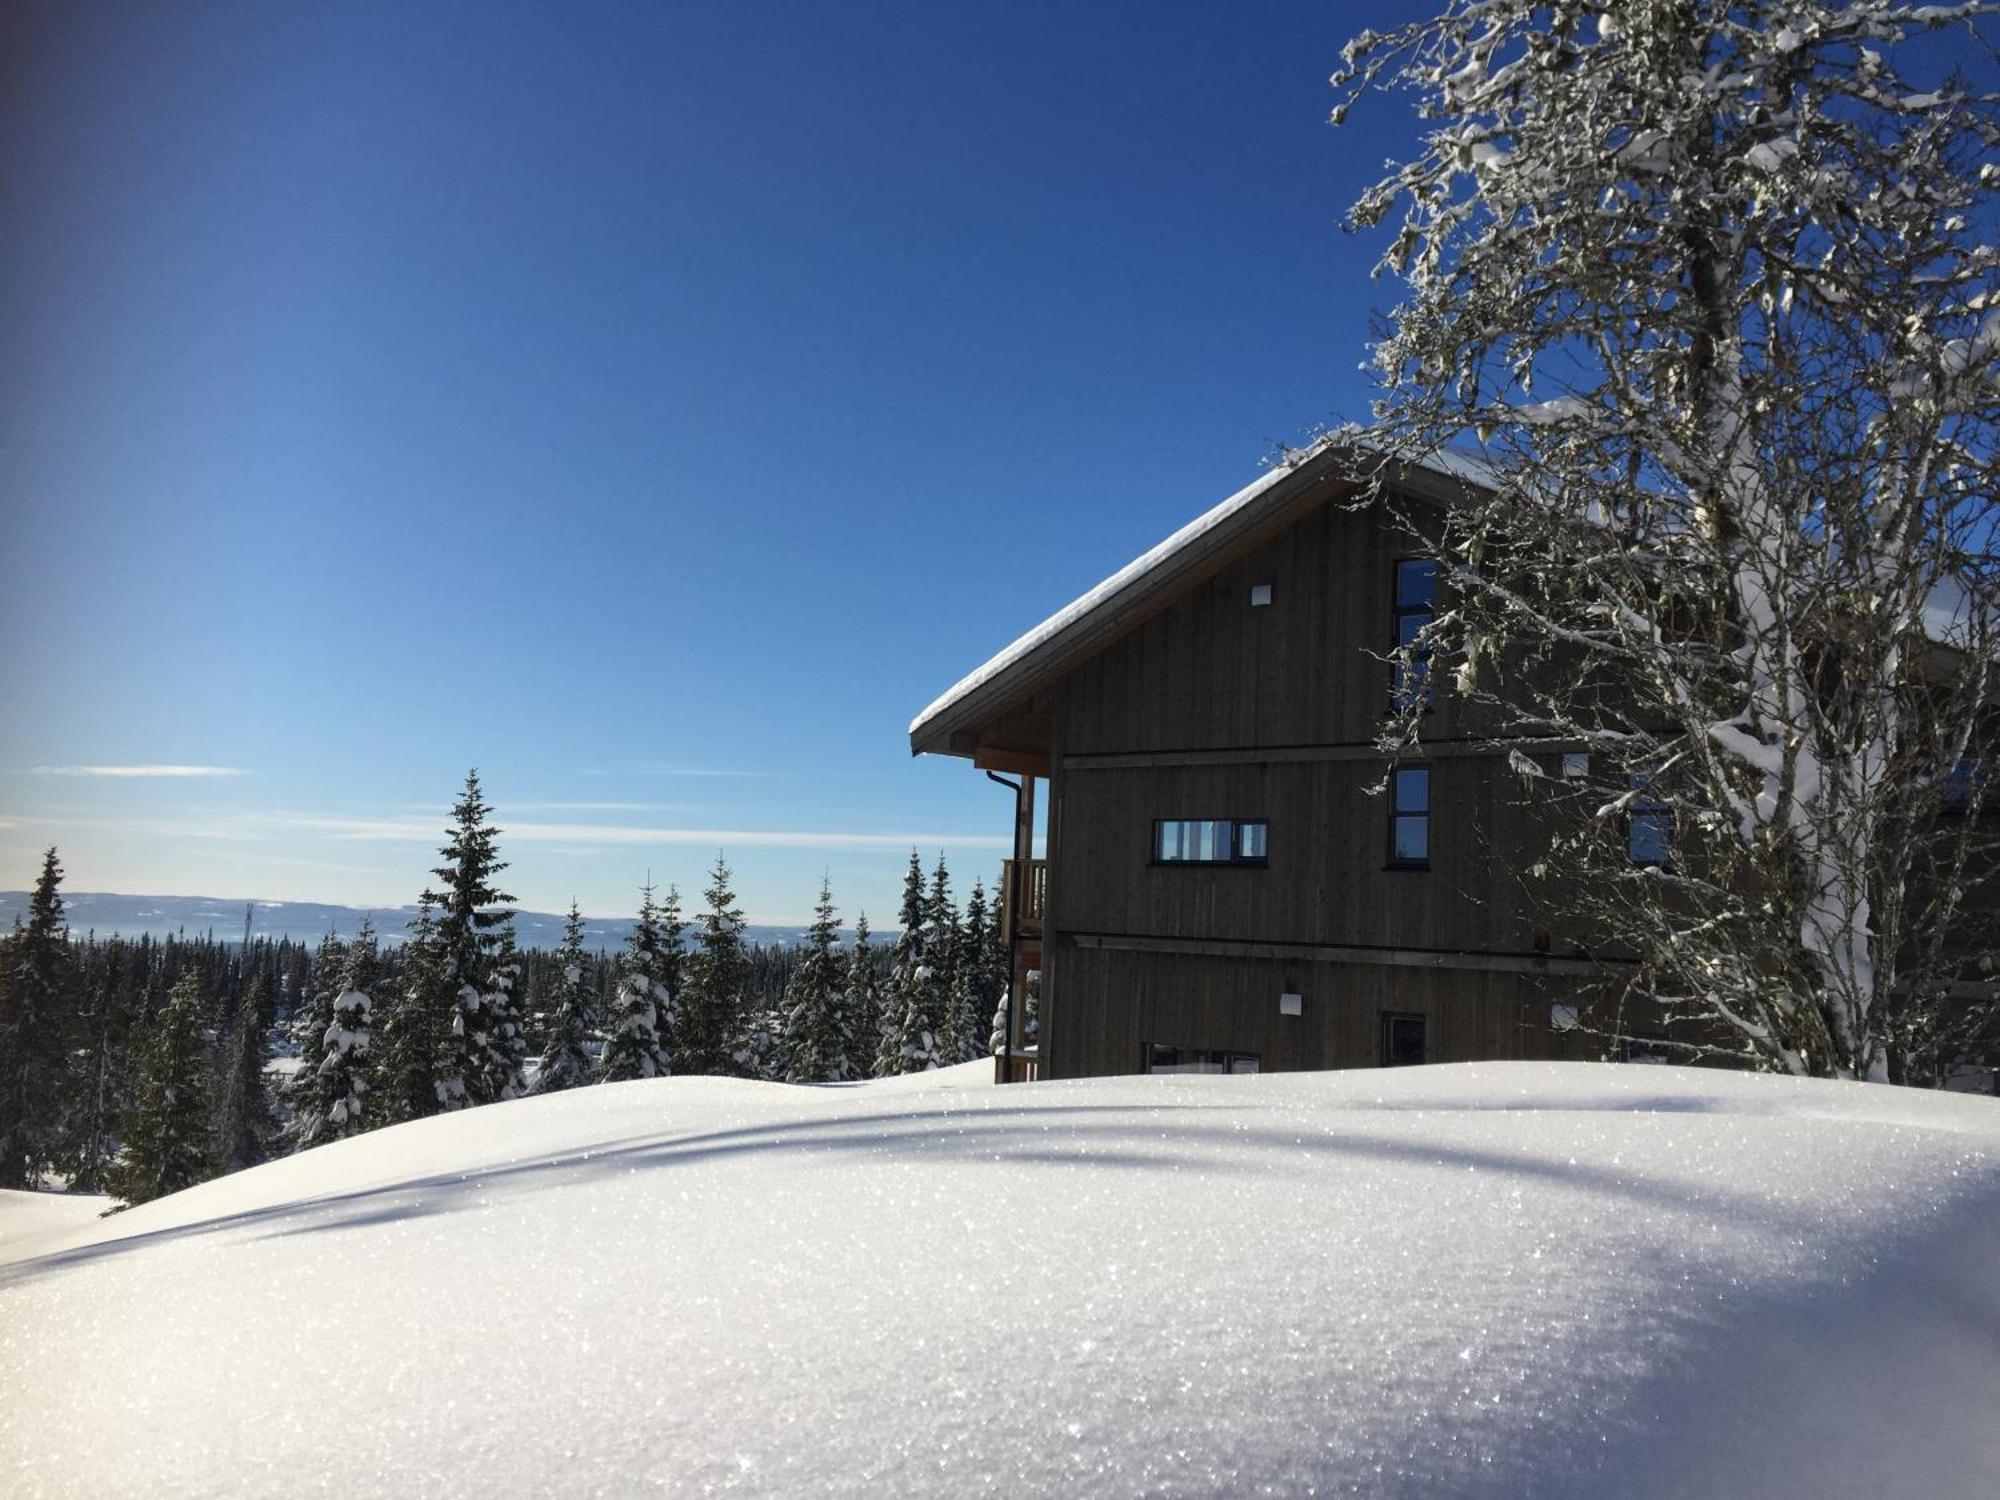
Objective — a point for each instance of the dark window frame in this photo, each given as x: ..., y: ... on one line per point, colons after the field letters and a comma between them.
x: 1969, y: 780
x: 1390, y: 1019
x: 1646, y: 1047
x: 1225, y: 1059
x: 1399, y: 815
x: 1236, y: 859
x: 1418, y: 670
x: 1645, y: 811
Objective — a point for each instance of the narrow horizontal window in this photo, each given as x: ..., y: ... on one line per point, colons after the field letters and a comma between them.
x: 1644, y: 1047
x: 1410, y: 818
x: 1161, y: 1058
x: 1211, y: 841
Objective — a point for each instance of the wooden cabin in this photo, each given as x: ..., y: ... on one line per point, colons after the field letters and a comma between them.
x: 1226, y: 885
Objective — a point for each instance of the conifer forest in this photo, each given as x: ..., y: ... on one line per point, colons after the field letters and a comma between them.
x: 138, y: 1066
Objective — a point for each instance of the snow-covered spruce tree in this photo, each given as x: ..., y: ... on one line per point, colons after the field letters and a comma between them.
x: 861, y: 1008
x: 944, y: 945
x: 815, y: 1031
x: 306, y: 1035
x: 673, y: 978
x: 315, y: 1009
x: 483, y: 1047
x: 977, y: 984
x: 167, y: 1136
x: 758, y: 1051
x: 632, y: 1040
x: 333, y: 1102
x: 914, y: 1015
x: 36, y: 1000
x: 99, y: 1077
x: 413, y: 1024
x: 715, y: 1004
x: 1714, y: 285
x: 244, y: 1124
x: 564, y: 1063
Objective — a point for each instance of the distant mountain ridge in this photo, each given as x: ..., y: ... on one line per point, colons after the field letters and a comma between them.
x: 108, y: 912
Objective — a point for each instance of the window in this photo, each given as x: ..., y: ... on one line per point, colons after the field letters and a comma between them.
x: 1644, y: 1047
x: 1416, y: 607
x: 1164, y: 1059
x: 1410, y: 819
x: 1260, y: 595
x: 1402, y: 1039
x: 1969, y: 782
x: 1649, y: 829
x: 1211, y: 841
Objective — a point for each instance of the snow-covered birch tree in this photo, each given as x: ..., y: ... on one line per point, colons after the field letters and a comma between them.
x: 1714, y: 285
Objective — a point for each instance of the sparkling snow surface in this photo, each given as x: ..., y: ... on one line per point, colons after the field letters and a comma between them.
x: 1506, y: 1279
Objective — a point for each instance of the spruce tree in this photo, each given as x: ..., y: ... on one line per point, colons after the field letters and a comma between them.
x: 564, y: 1062
x: 244, y: 1127
x: 482, y: 1047
x: 673, y: 978
x: 35, y: 1021
x: 306, y: 1034
x: 333, y: 1070
x: 861, y: 1007
x: 414, y: 1026
x: 973, y: 987
x: 718, y: 982
x: 758, y: 1051
x: 100, y: 1077
x: 315, y: 1009
x: 815, y: 1030
x: 914, y: 1024
x: 632, y: 1041
x: 168, y: 1141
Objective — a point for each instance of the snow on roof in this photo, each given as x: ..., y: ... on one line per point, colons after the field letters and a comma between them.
x: 1469, y: 467
x: 1943, y: 615
x: 1116, y: 584
x: 1497, y: 1279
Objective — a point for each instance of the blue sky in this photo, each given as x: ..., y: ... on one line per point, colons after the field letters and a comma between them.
x: 652, y: 405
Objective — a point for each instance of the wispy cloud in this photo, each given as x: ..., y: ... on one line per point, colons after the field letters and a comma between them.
x: 667, y: 768
x: 601, y: 835
x: 179, y: 773
x: 598, y: 806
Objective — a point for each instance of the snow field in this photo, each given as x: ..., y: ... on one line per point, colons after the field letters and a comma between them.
x: 1493, y: 1279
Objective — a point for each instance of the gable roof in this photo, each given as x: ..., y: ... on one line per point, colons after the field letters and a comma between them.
x: 1085, y: 625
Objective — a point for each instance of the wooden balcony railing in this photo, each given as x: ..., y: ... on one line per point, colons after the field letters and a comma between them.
x: 1027, y: 882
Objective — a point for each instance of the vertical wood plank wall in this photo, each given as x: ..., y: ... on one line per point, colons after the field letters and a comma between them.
x: 1135, y: 733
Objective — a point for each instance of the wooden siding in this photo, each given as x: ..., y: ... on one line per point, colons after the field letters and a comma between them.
x: 1210, y: 671
x: 1215, y: 708
x: 1114, y: 1005
x: 1328, y: 878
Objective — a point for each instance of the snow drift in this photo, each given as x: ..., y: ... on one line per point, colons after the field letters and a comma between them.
x: 1495, y: 1279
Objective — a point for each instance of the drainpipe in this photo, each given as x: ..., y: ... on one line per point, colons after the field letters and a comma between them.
x: 1013, y: 899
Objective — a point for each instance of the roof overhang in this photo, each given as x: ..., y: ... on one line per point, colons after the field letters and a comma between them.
x: 1284, y: 493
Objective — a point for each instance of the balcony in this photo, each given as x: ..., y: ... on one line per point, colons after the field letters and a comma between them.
x: 1024, y: 904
